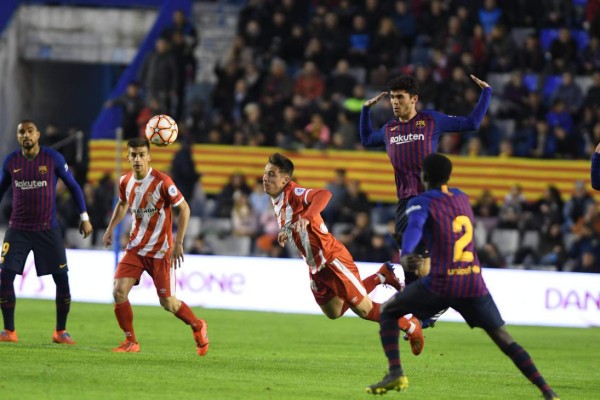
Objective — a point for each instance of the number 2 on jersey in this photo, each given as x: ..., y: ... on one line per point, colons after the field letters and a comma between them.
x: 458, y: 224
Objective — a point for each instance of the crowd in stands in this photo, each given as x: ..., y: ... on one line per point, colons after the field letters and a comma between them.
x: 296, y: 77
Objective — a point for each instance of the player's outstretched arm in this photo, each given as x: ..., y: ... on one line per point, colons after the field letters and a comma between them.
x: 375, y: 100
x: 479, y: 82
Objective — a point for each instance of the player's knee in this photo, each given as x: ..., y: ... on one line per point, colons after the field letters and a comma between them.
x: 170, y: 304
x: 331, y: 314
x: 119, y: 295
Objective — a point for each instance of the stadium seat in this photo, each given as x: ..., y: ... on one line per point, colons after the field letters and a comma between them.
x: 581, y: 37
x: 530, y: 81
x: 193, y: 229
x: 74, y: 239
x: 531, y: 239
x: 546, y: 38
x: 480, y: 234
x: 550, y: 85
x: 218, y: 226
x: 507, y: 241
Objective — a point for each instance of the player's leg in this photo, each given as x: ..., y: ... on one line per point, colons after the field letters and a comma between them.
x: 7, y: 303
x: 483, y: 312
x: 414, y: 299
x: 164, y: 281
x: 51, y: 258
x: 124, y: 313
x: 63, y: 306
x: 343, y: 279
x: 128, y: 273
x: 15, y: 249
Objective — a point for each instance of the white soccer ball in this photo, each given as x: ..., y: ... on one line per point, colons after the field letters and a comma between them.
x: 161, y: 130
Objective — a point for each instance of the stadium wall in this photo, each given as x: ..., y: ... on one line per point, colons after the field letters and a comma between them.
x: 315, y: 168
x: 282, y: 285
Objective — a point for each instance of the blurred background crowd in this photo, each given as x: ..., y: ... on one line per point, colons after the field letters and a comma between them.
x: 296, y: 76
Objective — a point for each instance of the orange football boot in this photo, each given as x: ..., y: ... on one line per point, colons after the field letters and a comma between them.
x: 127, y: 347
x: 62, y: 337
x: 387, y: 270
x: 201, y: 338
x: 8, y: 336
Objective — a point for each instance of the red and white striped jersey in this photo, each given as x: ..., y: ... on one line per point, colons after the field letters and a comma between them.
x: 316, y: 245
x: 150, y: 200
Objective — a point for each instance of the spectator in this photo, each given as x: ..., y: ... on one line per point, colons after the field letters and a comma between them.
x: 530, y: 57
x: 489, y: 16
x: 237, y: 182
x: 132, y: 103
x: 354, y: 202
x: 570, y: 93
x: 159, y: 75
x: 244, y: 221
x: 576, y: 206
x: 309, y: 83
x: 201, y: 246
x: 183, y: 170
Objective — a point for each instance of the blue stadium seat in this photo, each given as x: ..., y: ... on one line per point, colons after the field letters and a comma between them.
x: 550, y: 85
x: 530, y: 81
x: 546, y: 38
x: 581, y: 37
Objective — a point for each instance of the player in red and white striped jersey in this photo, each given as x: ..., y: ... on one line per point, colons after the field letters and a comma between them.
x: 150, y: 195
x: 334, y: 277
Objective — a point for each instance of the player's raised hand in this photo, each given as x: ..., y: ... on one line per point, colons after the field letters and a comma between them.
x: 375, y: 100
x: 85, y: 228
x: 482, y: 84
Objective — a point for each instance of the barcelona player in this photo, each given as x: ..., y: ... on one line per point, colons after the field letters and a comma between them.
x: 410, y: 136
x: 150, y: 195
x: 33, y: 173
x: 443, y: 219
x: 334, y: 277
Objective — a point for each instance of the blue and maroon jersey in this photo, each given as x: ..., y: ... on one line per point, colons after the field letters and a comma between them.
x: 443, y: 219
x: 34, y: 188
x: 408, y: 143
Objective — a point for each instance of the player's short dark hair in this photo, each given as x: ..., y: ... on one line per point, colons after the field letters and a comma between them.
x: 28, y: 121
x: 404, y: 82
x: 138, y: 142
x: 285, y: 164
x: 437, y: 169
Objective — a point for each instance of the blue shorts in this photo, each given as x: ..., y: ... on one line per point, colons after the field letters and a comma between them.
x: 416, y: 299
x: 47, y: 246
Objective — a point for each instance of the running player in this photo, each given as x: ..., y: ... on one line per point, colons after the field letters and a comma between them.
x: 443, y: 219
x: 150, y: 195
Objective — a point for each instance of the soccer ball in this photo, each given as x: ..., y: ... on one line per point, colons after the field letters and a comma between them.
x: 161, y: 130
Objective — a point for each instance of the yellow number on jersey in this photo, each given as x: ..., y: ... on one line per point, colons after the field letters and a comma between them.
x: 5, y: 247
x: 460, y: 254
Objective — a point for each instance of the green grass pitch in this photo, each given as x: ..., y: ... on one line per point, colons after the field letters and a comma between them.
x: 256, y: 355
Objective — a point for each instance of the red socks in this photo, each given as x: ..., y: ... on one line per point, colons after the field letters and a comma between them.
x: 186, y: 314
x: 124, y: 315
